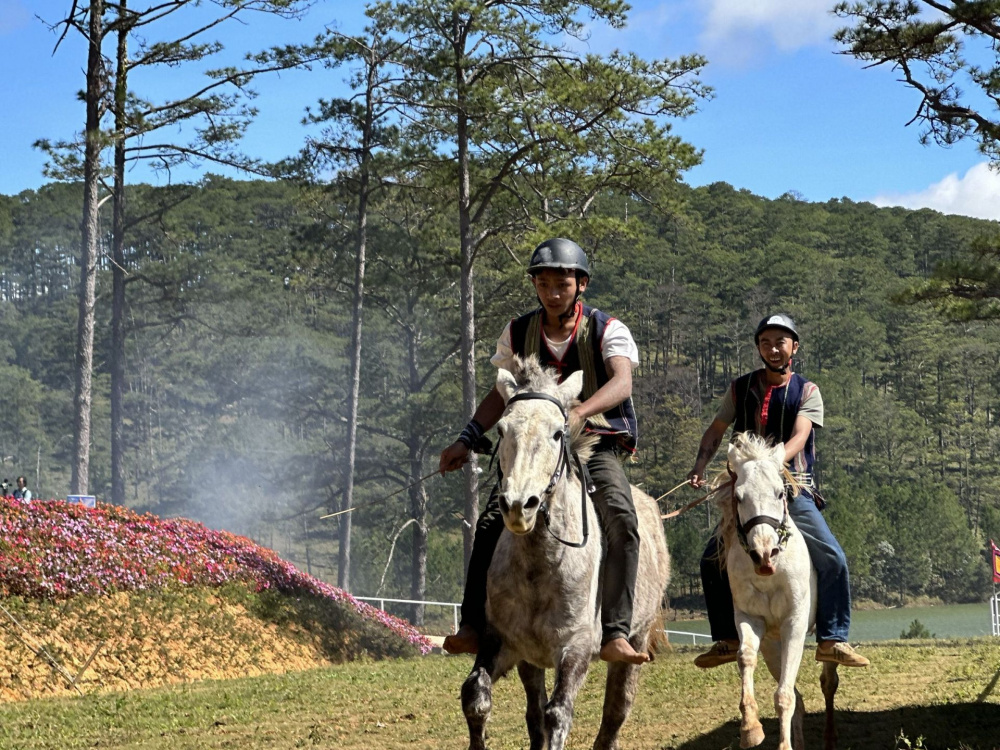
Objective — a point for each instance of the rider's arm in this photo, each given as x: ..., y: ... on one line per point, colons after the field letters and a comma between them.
x: 706, y: 450
x: 617, y: 390
x: 800, y: 433
x: 487, y: 414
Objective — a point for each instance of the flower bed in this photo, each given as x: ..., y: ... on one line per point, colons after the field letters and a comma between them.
x: 56, y: 550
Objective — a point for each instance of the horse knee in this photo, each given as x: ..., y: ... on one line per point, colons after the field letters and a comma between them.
x: 477, y: 695
x: 558, y: 720
x: 784, y: 700
x: 829, y: 680
x: 746, y: 657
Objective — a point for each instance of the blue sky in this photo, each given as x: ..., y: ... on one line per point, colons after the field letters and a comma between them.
x: 789, y: 114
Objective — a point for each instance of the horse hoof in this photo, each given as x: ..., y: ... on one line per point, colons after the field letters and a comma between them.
x: 751, y: 737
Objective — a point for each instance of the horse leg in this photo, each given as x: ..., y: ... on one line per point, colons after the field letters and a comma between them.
x: 751, y: 631
x: 787, y: 701
x: 798, y: 736
x: 570, y: 674
x: 828, y: 681
x: 533, y: 679
x: 477, y: 690
x: 619, y: 692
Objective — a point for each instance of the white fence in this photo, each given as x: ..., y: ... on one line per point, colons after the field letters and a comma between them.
x: 455, y: 607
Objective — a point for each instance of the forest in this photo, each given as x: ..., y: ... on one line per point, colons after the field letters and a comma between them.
x: 277, y: 342
x: 238, y: 330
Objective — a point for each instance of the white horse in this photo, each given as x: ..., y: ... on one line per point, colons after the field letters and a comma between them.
x: 543, y: 590
x: 774, y: 589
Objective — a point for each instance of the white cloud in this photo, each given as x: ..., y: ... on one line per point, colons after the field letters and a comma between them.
x: 976, y: 194
x: 787, y: 24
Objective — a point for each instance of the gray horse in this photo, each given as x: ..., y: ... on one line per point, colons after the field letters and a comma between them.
x: 543, y: 599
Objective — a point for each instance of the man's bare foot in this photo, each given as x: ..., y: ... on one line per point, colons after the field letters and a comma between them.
x: 465, y: 641
x: 620, y: 649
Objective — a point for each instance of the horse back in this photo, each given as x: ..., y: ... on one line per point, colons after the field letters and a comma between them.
x: 654, y: 561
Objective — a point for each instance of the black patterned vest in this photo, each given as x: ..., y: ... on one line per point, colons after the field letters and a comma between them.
x: 583, y: 353
x: 770, y: 411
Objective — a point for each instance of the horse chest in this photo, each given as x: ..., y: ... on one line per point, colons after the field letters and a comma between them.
x: 537, y: 606
x: 772, y: 598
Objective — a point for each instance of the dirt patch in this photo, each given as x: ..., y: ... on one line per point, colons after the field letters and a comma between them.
x: 148, y: 640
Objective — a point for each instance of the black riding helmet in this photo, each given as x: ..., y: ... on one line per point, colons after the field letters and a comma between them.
x: 778, y: 320
x: 559, y: 253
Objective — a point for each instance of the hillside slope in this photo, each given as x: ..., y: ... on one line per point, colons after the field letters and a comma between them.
x: 161, y: 601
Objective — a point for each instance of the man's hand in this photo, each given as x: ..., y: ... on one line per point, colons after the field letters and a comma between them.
x: 453, y: 457
x: 696, y: 479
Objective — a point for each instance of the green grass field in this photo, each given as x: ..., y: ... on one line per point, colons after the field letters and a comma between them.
x: 945, y: 693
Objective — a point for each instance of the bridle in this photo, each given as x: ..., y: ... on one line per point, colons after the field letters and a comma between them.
x: 565, y: 457
x: 742, y: 529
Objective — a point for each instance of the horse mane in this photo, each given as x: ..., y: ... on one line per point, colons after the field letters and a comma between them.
x: 531, y: 375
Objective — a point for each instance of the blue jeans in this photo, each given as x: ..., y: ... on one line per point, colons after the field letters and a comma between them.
x: 833, y: 609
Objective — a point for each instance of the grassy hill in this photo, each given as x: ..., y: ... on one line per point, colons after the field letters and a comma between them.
x: 159, y: 601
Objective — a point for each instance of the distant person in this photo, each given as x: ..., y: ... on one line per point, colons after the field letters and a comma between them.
x: 5, y: 489
x: 22, y: 492
x: 779, y: 404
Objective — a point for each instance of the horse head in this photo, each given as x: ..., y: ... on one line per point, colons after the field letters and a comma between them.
x: 534, y: 449
x: 760, y: 512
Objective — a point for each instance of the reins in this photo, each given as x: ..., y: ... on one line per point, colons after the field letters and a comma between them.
x: 693, y: 503
x: 561, y: 466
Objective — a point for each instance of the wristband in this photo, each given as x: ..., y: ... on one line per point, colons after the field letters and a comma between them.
x: 472, y: 434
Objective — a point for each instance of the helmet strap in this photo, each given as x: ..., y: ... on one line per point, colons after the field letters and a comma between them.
x: 776, y: 370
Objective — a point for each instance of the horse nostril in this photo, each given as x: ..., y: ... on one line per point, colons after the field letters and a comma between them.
x: 504, y: 505
x: 775, y: 551
x: 755, y: 557
x: 532, y: 502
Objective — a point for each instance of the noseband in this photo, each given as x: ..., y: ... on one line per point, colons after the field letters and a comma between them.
x: 742, y: 529
x: 561, y: 466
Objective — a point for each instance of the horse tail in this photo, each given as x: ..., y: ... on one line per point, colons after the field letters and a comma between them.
x: 658, y: 640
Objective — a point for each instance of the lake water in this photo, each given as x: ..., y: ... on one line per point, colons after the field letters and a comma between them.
x: 945, y: 621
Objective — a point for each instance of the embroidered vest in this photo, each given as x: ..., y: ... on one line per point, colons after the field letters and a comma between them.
x: 770, y: 411
x: 583, y: 353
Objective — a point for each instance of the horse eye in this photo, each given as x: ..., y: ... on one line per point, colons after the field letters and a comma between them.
x: 558, y: 436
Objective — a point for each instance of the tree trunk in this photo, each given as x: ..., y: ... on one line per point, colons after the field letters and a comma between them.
x: 118, y: 273
x: 88, y: 255
x: 418, y: 495
x: 344, y: 548
x: 468, y: 302
x: 418, y: 511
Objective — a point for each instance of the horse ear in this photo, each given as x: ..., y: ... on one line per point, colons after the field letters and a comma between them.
x: 732, y: 453
x: 506, y: 384
x: 570, y: 388
x: 779, y: 453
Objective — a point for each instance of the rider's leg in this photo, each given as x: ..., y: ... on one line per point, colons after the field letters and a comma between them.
x: 833, y: 606
x: 718, y: 595
x: 719, y: 602
x: 616, y: 509
x: 488, y: 530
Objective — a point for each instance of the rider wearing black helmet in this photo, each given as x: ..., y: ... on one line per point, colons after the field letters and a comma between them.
x: 567, y: 335
x: 782, y: 405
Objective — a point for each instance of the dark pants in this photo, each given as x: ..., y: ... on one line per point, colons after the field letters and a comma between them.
x: 833, y: 607
x: 613, y: 501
